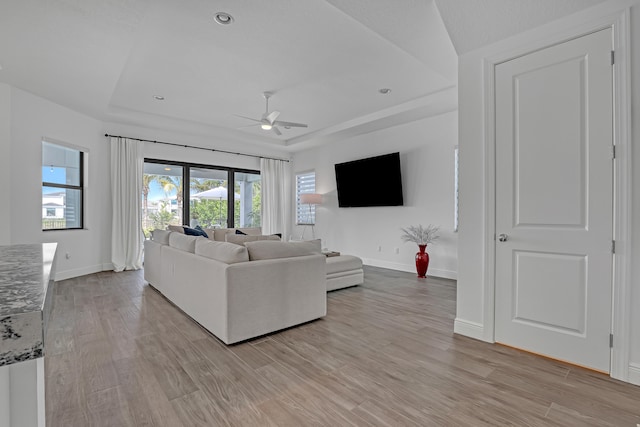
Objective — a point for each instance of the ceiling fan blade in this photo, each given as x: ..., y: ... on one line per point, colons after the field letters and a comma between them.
x: 248, y: 118
x: 290, y: 124
x: 272, y: 116
x: 248, y: 126
x: 276, y: 131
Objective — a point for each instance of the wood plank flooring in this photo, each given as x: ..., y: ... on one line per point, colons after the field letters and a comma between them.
x: 119, y: 354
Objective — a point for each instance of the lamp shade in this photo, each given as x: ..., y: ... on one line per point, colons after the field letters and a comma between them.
x: 311, y: 199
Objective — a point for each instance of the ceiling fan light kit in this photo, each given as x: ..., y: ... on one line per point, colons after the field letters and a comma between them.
x: 269, y: 121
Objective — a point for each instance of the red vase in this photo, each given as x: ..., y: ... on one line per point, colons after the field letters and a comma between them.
x: 422, y: 261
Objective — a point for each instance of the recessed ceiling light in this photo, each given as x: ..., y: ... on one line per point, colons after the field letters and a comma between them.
x: 384, y: 90
x: 158, y: 97
x: 167, y: 169
x: 223, y: 18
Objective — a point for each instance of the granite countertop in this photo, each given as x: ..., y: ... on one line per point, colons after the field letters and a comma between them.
x: 25, y: 273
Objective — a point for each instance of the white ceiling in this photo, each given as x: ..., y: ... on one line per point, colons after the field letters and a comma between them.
x: 324, y: 59
x: 475, y: 23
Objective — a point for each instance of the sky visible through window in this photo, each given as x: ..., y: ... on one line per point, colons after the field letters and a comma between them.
x: 54, y: 175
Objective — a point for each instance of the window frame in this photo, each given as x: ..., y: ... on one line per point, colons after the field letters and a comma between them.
x: 303, y: 210
x: 81, y: 181
x: 186, y: 179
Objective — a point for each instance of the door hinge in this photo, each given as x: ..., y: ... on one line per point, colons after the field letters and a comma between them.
x: 610, y: 340
x: 613, y: 246
x: 613, y: 57
x: 613, y: 151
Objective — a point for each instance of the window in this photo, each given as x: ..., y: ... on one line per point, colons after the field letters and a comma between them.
x: 248, y: 203
x: 162, y: 196
x: 176, y: 193
x: 62, y: 187
x: 209, y: 198
x: 305, y: 183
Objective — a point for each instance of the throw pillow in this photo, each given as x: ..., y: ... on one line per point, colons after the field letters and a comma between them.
x: 195, y: 231
x: 240, y: 232
x: 176, y: 228
x: 204, y: 233
x: 160, y: 236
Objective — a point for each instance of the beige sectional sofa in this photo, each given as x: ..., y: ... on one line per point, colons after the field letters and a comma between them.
x: 235, y: 291
x: 342, y: 271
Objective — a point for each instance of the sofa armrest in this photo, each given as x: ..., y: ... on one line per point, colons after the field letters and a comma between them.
x: 198, y: 287
x: 268, y: 295
x: 152, y: 263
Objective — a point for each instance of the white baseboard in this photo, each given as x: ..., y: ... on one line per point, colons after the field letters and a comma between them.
x: 435, y: 272
x: 77, y: 272
x: 634, y: 373
x: 469, y: 329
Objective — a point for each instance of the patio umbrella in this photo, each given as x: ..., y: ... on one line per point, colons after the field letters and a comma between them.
x: 218, y: 193
x: 212, y: 193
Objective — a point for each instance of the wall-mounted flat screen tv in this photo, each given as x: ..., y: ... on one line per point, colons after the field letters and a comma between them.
x: 375, y: 181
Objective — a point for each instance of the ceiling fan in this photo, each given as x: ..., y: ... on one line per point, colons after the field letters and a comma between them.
x: 269, y: 121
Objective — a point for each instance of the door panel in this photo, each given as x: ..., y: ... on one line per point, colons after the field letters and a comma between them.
x: 559, y: 145
x: 538, y: 275
x: 554, y: 186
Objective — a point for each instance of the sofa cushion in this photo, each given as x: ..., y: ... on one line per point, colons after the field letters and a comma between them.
x: 343, y: 263
x: 219, y: 234
x: 160, y: 236
x: 221, y: 251
x: 241, y: 239
x: 176, y: 228
x: 183, y: 242
x: 267, y: 249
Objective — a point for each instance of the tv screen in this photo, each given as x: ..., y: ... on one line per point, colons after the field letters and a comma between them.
x: 375, y: 181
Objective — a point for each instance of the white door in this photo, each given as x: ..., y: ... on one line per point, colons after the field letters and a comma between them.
x: 554, y: 201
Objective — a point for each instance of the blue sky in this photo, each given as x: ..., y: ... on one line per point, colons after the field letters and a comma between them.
x: 54, y: 175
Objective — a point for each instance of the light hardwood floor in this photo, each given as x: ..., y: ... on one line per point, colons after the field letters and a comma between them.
x: 119, y: 354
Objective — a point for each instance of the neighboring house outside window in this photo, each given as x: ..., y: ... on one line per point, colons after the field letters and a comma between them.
x: 305, y: 183
x: 62, y: 186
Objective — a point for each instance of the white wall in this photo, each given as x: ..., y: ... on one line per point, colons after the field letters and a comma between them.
x: 474, y: 317
x: 427, y: 159
x: 33, y: 118
x: 5, y: 161
x: 634, y: 358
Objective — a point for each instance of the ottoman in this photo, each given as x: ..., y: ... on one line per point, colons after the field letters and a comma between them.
x: 344, y: 271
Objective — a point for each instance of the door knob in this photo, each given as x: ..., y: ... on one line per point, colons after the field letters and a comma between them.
x: 502, y: 237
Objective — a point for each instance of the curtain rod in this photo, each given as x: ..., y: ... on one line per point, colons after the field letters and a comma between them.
x: 197, y: 148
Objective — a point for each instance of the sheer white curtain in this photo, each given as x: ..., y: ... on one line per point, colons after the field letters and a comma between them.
x: 126, y: 195
x: 276, y: 197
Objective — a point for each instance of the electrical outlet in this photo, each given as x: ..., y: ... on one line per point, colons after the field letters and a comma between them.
x: 397, y: 250
x: 379, y: 248
x: 67, y: 255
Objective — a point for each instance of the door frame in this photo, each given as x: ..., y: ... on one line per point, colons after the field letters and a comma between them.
x: 619, y: 22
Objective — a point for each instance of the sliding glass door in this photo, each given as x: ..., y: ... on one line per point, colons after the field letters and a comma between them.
x: 208, y: 200
x: 189, y: 194
x: 162, y: 196
x: 248, y: 202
